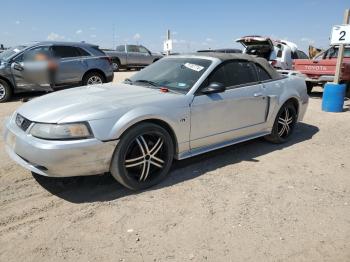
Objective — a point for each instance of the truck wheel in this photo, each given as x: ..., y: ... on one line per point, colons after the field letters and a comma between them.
x: 5, y: 91
x: 309, y: 87
x: 116, y: 65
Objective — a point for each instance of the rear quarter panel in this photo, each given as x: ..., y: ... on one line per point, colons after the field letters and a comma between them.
x: 279, y: 91
x: 100, y: 64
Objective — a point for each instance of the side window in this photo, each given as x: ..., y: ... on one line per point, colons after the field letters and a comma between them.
x: 143, y: 50
x: 347, y: 52
x: 65, y: 51
x: 332, y: 53
x: 218, y: 76
x: 82, y: 52
x: 133, y: 48
x: 302, y: 55
x: 120, y: 48
x: 40, y: 53
x: 18, y: 59
x: 240, y: 73
x: 279, y: 50
x: 262, y: 74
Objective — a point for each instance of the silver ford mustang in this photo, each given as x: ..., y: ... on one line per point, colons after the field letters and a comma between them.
x: 178, y: 107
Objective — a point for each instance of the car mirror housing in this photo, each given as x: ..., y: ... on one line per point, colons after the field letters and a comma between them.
x: 214, y: 87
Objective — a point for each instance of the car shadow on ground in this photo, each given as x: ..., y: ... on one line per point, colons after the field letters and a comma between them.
x: 316, y: 94
x: 25, y: 97
x: 105, y: 188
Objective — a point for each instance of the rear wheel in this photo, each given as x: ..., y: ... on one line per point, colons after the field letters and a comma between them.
x: 5, y: 91
x: 143, y: 156
x: 93, y: 78
x: 284, y: 124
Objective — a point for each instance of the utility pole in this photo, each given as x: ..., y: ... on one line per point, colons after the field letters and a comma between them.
x: 168, y: 38
x: 341, y: 52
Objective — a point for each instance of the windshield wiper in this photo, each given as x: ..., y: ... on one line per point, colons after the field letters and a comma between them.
x: 147, y: 82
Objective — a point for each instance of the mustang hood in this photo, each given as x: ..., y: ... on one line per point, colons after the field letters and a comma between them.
x: 92, y: 102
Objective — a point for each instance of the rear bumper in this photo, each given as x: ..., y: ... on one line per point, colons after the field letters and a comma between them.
x: 318, y: 80
x: 57, y: 158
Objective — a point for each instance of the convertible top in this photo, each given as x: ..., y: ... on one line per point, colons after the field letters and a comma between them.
x: 232, y: 56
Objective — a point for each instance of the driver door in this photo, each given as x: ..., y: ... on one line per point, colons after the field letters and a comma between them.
x: 235, y: 113
x: 145, y: 56
x: 30, y: 70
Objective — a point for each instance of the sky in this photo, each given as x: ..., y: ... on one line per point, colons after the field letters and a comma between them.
x: 194, y: 24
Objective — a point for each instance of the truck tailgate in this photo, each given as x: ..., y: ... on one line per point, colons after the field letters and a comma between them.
x: 316, y: 68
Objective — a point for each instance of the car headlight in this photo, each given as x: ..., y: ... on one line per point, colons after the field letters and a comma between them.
x: 61, y: 131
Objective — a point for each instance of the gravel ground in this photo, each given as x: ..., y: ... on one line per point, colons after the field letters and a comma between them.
x: 250, y: 202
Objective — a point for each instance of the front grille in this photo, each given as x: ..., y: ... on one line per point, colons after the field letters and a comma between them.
x: 23, y: 122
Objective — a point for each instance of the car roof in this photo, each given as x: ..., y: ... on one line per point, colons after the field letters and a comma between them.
x: 237, y: 56
x: 63, y: 43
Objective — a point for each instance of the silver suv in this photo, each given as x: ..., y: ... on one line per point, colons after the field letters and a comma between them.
x: 48, y: 66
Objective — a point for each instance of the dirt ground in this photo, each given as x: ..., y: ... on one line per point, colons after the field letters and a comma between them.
x: 249, y: 202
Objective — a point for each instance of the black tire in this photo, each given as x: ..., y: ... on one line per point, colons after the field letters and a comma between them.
x: 278, y: 136
x: 309, y: 87
x: 87, y: 79
x: 116, y: 65
x: 5, y: 91
x: 144, y: 169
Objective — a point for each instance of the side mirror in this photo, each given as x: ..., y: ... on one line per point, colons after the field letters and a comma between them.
x: 17, y: 66
x: 214, y: 87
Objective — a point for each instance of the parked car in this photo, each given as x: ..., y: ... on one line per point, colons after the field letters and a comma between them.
x: 280, y: 53
x: 178, y: 107
x: 321, y: 69
x: 222, y: 50
x: 131, y: 56
x: 52, y: 65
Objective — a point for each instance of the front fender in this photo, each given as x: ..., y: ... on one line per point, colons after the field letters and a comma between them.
x: 178, y: 119
x: 137, y: 115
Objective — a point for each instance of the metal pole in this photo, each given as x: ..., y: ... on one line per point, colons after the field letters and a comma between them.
x: 168, y: 38
x: 341, y: 52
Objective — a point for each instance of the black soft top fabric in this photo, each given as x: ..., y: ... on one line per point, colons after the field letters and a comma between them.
x: 231, y: 56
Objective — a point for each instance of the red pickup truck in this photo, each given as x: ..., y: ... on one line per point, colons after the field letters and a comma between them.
x: 321, y: 69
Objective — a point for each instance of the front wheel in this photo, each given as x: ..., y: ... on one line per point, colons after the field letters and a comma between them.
x: 284, y: 124
x: 5, y: 91
x: 143, y: 156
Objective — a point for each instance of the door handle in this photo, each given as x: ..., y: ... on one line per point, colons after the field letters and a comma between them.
x: 258, y: 94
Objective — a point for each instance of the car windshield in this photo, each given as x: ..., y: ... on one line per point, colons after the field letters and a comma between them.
x: 7, y: 54
x: 177, y: 74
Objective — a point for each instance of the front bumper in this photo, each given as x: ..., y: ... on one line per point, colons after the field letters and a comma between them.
x: 57, y: 158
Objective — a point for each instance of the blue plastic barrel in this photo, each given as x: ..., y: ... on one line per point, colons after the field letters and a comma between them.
x: 333, y: 97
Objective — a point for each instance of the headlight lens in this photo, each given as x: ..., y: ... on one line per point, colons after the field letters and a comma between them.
x: 61, y: 131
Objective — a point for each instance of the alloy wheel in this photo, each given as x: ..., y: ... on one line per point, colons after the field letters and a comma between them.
x: 94, y: 80
x: 115, y: 66
x: 145, y: 157
x: 2, y: 91
x: 285, y: 122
